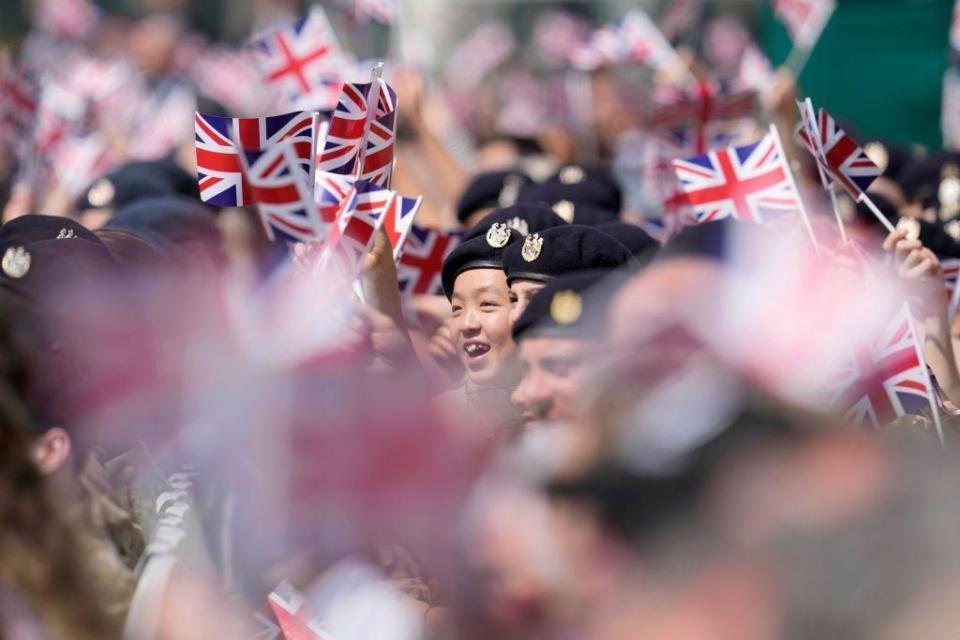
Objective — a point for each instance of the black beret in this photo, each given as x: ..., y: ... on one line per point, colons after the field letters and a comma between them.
x: 709, y: 240
x: 492, y: 189
x: 176, y: 177
x: 935, y: 237
x: 572, y: 305
x: 169, y: 221
x: 40, y: 269
x: 525, y: 217
x: 638, y: 241
x: 482, y: 252
x: 33, y: 228
x: 124, y: 186
x: 891, y: 157
x: 562, y: 250
x: 865, y: 215
x: 921, y: 180
x: 580, y: 185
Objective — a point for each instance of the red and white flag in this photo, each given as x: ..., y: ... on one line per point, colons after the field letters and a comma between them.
x: 886, y: 376
x: 421, y: 260
x: 289, y: 607
x: 351, y: 237
x: 751, y: 182
x: 804, y: 19
x: 301, y: 61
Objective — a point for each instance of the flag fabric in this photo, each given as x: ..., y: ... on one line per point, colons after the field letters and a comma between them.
x: 358, y: 143
x: 478, y: 54
x: 754, y: 71
x: 19, y: 98
x: 951, y: 273
x: 635, y: 38
x: 806, y: 134
x: 276, y: 183
x: 886, y: 377
x: 331, y: 190
x: 839, y: 154
x: 699, y: 118
x: 421, y: 260
x: 751, y: 182
x: 218, y: 162
x: 804, y: 19
x: 398, y: 220
x: 302, y: 61
x: 383, y: 11
x: 288, y: 606
x: 352, y: 235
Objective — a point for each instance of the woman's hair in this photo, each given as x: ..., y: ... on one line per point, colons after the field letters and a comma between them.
x: 42, y: 562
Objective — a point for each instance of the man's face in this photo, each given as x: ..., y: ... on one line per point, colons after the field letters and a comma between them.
x: 555, y: 371
x: 521, y: 291
x: 480, y: 307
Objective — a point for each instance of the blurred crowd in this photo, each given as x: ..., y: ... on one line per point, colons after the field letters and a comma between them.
x: 598, y: 417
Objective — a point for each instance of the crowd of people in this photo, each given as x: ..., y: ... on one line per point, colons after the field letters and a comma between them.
x: 607, y: 417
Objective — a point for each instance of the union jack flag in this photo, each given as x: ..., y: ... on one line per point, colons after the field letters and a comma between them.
x: 804, y: 19
x: 218, y: 163
x: 19, y: 98
x: 331, y: 190
x: 421, y: 260
x: 886, y: 377
x: 951, y: 273
x: 303, y: 61
x: 276, y: 183
x: 358, y: 143
x: 398, y: 220
x: 351, y: 236
x: 288, y: 605
x: 750, y: 183
x: 838, y: 154
x: 697, y: 120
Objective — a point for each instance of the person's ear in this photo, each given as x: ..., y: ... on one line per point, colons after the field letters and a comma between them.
x: 51, y: 450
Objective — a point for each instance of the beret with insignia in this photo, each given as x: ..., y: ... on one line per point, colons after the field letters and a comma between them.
x: 491, y: 189
x: 561, y: 250
x: 41, y: 269
x: 525, y: 217
x: 891, y: 157
x: 580, y: 185
x: 573, y: 305
x: 480, y: 252
x: 583, y: 213
x: 33, y: 228
x: 640, y: 244
x: 122, y: 187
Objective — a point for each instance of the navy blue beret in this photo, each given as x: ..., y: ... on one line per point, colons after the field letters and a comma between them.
x: 594, y: 186
x: 491, y: 189
x: 631, y: 236
x: 573, y: 305
x: 33, y: 228
x: 481, y: 252
x: 561, y: 250
x: 124, y: 186
x: 525, y: 217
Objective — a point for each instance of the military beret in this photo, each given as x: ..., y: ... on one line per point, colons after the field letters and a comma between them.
x: 123, y: 186
x: 709, y: 240
x: 34, y: 227
x: 169, y: 221
x: 638, y: 241
x: 865, y: 215
x: 562, y: 250
x: 584, y: 213
x: 891, y: 157
x: 938, y: 239
x: 934, y: 182
x: 525, y: 217
x: 176, y: 177
x: 580, y: 185
x: 491, y: 189
x: 38, y: 269
x: 482, y: 252
x: 574, y: 304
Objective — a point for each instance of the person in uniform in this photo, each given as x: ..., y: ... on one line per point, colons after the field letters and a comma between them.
x: 523, y: 217
x: 557, y: 251
x: 579, y: 195
x: 557, y: 335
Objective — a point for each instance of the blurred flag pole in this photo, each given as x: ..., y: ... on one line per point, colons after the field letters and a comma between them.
x: 934, y: 412
x: 807, y: 118
x: 836, y: 213
x: 865, y: 199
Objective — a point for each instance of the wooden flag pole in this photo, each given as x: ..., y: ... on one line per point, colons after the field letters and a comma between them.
x: 865, y: 199
x: 786, y: 165
x: 934, y: 412
x: 836, y: 213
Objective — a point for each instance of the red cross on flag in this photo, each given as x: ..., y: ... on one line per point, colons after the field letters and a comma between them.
x: 304, y: 61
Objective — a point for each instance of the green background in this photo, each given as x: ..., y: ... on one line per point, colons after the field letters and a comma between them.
x: 878, y: 65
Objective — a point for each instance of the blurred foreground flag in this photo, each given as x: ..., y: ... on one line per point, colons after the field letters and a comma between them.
x: 359, y: 143
x: 383, y: 11
x: 420, y: 260
x: 303, y: 61
x: 886, y: 376
x: 277, y: 184
x: 804, y: 19
x: 218, y: 161
x: 750, y: 183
